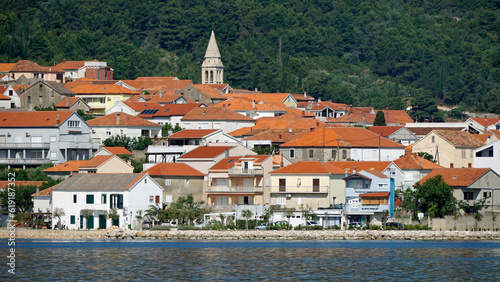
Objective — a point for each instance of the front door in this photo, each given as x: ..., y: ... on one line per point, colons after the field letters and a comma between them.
x: 90, y: 222
x: 102, y: 221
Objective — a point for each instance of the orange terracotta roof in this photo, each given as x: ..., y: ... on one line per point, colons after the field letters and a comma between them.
x: 169, y: 110
x: 214, y: 113
x: 34, y: 119
x: 302, y: 97
x: 96, y: 161
x: 481, y: 137
x: 192, y: 133
x: 257, y: 159
x: 124, y: 120
x: 44, y: 192
x: 86, y: 89
x: 224, y: 164
x: 243, y: 104
x: 72, y: 100
x: 241, y: 132
x: 460, y: 138
x: 118, y: 150
x: 358, y: 118
x: 385, y: 130
x: 3, y: 97
x: 344, y: 136
x: 4, y: 184
x: 209, y: 91
x: 309, y: 167
x: 27, y: 66
x: 218, y: 86
x: 66, y: 167
x: 414, y: 161
x: 318, y: 106
x: 366, y: 166
x: 376, y: 173
x: 376, y: 194
x: 173, y: 169
x: 361, y: 110
x: 71, y: 65
x: 495, y: 132
x: 139, y: 177
x: 264, y: 97
x: 155, y: 84
x: 457, y: 177
x: 4, y: 67
x: 299, y: 112
x: 166, y: 97
x: 80, y: 81
x: 141, y: 106
x: 486, y: 121
x: 205, y: 152
x: 276, y: 136
x: 400, y: 115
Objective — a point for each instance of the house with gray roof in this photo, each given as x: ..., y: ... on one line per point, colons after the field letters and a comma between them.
x: 44, y: 94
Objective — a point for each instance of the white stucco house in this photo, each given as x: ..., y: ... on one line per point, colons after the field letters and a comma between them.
x: 488, y: 156
x: 87, y: 198
x: 12, y: 101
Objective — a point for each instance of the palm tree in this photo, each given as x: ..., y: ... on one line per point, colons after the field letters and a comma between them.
x: 160, y: 213
x: 58, y: 212
x: 246, y: 214
x: 113, y: 215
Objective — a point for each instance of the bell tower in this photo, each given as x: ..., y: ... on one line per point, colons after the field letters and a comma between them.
x: 212, y: 70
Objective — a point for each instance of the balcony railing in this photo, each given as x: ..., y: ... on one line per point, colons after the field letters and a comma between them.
x: 246, y: 171
x: 235, y: 189
x: 23, y: 161
x: 354, y: 192
x: 299, y: 189
x: 25, y: 145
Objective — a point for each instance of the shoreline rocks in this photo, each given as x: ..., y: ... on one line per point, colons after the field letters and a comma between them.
x: 319, y: 235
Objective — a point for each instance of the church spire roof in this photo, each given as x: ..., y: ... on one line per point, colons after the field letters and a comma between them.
x: 212, y: 49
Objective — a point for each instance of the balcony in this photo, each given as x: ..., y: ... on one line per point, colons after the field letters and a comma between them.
x: 246, y: 171
x: 24, y: 145
x: 366, y: 208
x: 299, y: 189
x: 355, y: 192
x: 235, y: 189
x: 22, y: 161
x: 98, y: 207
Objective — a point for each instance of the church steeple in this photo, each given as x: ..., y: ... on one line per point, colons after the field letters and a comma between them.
x: 212, y: 69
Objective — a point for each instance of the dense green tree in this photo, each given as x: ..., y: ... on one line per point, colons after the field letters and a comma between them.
x: 379, y: 119
x: 22, y: 198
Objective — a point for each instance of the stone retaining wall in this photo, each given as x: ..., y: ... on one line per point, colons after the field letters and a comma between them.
x: 254, y: 235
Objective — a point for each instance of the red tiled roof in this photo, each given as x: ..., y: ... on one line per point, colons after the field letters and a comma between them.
x: 118, y: 150
x: 310, y: 167
x: 302, y: 97
x: 457, y: 177
x: 33, y: 119
x: 4, y: 67
x: 66, y: 167
x: 361, y: 110
x: 141, y: 106
x: 71, y: 65
x: 209, y: 91
x: 486, y: 121
x: 276, y: 136
x: 96, y: 161
x: 173, y: 169
x: 377, y: 173
x: 224, y: 164
x: 264, y: 97
x: 157, y: 83
x: 414, y: 161
x: 124, y: 121
x: 4, y: 184
x: 72, y: 100
x: 192, y: 133
x: 214, y: 113
x: 324, y: 104
x: 358, y: 118
x: 243, y: 104
x: 400, y: 115
x: 366, y: 166
x: 377, y: 194
x: 166, y: 98
x: 169, y: 110
x: 205, y: 152
x: 44, y: 192
x: 29, y: 66
x: 459, y: 138
x: 344, y: 136
x: 385, y: 130
x: 112, y: 89
x: 4, y: 97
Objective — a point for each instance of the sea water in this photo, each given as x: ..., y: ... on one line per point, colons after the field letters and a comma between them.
x: 114, y: 260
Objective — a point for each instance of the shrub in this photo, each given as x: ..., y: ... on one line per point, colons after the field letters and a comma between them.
x: 333, y: 227
x: 160, y: 227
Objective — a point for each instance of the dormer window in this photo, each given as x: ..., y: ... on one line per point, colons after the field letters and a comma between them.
x: 73, y: 123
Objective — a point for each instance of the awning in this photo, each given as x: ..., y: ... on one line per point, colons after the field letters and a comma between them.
x: 377, y: 194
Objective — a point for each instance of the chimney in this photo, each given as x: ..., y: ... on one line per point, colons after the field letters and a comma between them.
x: 280, y: 136
x: 161, y: 93
x: 470, y: 165
x: 223, y: 106
x: 64, y: 61
x: 256, y: 90
x: 58, y: 120
x: 387, y: 110
x: 319, y: 100
x: 38, y: 190
x: 226, y: 154
x: 485, y: 116
x: 305, y: 94
x: 312, y: 129
x: 354, y: 170
x: 253, y: 104
x: 420, y: 164
x: 277, y: 91
x: 451, y: 165
x: 364, y: 118
x: 67, y: 101
x: 117, y: 118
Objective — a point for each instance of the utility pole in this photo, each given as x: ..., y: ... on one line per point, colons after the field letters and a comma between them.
x: 379, y: 147
x: 338, y: 149
x: 437, y: 155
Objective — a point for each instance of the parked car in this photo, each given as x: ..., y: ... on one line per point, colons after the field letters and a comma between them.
x: 264, y: 226
x: 312, y: 223
x: 394, y: 225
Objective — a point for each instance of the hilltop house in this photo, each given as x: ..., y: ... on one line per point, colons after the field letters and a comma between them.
x: 398, y: 134
x: 44, y: 94
x: 33, y: 72
x: 9, y: 98
x: 87, y: 198
x: 414, y: 168
x: 35, y: 138
x: 85, y: 69
x: 73, y: 104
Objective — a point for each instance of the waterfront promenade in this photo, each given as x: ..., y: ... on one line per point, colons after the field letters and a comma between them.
x: 25, y: 233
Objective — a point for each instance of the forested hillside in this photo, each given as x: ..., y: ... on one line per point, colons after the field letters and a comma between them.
x: 378, y: 53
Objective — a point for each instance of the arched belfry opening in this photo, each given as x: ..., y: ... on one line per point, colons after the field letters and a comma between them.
x: 212, y: 69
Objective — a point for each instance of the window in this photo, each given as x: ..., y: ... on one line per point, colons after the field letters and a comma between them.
x: 468, y: 196
x: 292, y: 153
x: 486, y: 194
x: 316, y: 185
x: 121, y: 131
x: 53, y: 139
x: 144, y: 132
x: 186, y: 183
x: 281, y: 200
x: 344, y: 154
x: 108, y: 132
x: 116, y: 201
x: 433, y: 139
x: 151, y: 199
x: 90, y: 199
x: 282, y: 185
x: 11, y: 93
x: 334, y: 154
x: 74, y: 123
x: 463, y: 154
x: 168, y: 182
x: 311, y: 153
x: 168, y: 199
x: 157, y: 199
x: 74, y: 199
x: 472, y: 153
x: 72, y: 219
x: 103, y: 198
x: 29, y: 99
